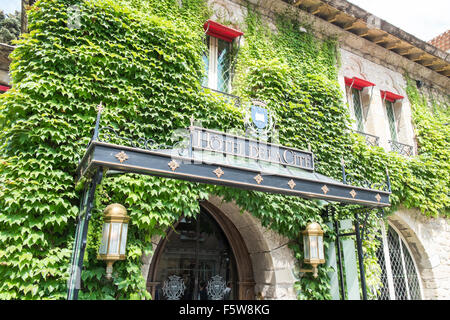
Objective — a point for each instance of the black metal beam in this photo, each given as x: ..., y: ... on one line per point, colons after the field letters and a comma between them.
x: 164, y: 164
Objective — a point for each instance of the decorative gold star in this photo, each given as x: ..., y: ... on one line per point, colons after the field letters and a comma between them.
x: 121, y: 156
x: 291, y: 184
x: 353, y: 193
x: 219, y: 172
x: 325, y: 189
x: 258, y: 178
x: 173, y: 165
x: 378, y: 197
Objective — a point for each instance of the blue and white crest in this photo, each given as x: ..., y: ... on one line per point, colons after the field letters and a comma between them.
x: 260, y: 117
x: 259, y: 120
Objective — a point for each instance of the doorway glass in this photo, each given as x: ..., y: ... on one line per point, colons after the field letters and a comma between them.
x: 197, y: 262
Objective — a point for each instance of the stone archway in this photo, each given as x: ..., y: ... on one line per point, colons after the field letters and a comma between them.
x: 420, y: 234
x: 263, y: 260
x: 272, y: 261
x: 245, y: 282
x: 244, y: 265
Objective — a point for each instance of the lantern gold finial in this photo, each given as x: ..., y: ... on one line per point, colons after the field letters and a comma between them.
x: 313, y: 228
x: 116, y: 212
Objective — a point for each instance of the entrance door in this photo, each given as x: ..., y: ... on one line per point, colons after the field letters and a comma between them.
x: 197, y: 263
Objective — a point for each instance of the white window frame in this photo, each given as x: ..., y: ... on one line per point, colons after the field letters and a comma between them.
x: 213, y: 64
x: 352, y: 108
x: 395, y: 120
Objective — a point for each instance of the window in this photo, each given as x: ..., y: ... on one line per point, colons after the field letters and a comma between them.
x: 217, y: 64
x: 356, y: 85
x: 399, y: 276
x: 218, y: 57
x: 389, y: 98
x: 357, y: 109
x: 391, y: 120
x: 194, y: 257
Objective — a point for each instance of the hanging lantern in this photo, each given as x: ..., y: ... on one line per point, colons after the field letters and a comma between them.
x: 313, y: 246
x: 114, y: 238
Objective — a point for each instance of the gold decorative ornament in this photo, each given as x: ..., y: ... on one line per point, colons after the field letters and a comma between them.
x: 378, y: 197
x: 353, y: 193
x: 313, y: 247
x: 325, y: 189
x: 219, y: 172
x: 173, y: 165
x: 114, y: 236
x: 121, y: 156
x: 258, y: 179
x: 291, y: 184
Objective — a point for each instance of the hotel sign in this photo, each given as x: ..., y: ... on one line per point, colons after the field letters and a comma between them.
x: 231, y: 145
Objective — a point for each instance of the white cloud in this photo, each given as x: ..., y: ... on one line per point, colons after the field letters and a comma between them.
x: 423, y: 19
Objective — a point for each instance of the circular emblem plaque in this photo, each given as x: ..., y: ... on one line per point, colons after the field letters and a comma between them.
x: 259, y: 120
x: 216, y: 287
x: 173, y: 288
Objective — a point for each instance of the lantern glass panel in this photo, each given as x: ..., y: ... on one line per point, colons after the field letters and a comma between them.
x: 306, y: 246
x: 114, y: 238
x: 123, y: 241
x: 320, y: 244
x: 313, y: 247
x: 104, y: 245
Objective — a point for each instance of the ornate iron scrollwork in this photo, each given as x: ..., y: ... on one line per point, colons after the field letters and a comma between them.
x: 174, y: 288
x: 350, y: 179
x: 216, y: 288
x: 371, y: 140
x: 401, y: 148
x: 110, y: 135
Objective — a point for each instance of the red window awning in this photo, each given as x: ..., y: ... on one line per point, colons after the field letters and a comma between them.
x: 390, y: 96
x: 4, y: 88
x: 220, y: 31
x: 358, y: 83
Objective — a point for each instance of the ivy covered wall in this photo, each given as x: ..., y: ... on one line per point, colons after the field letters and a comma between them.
x: 142, y: 60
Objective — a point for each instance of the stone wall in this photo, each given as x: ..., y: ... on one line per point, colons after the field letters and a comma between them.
x: 232, y: 10
x: 376, y: 121
x: 272, y: 261
x: 428, y: 239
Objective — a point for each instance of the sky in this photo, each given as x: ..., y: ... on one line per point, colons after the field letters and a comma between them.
x: 424, y: 19
x: 9, y: 6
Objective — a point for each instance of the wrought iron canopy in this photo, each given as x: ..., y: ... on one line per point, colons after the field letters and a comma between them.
x: 218, y: 168
x: 216, y: 158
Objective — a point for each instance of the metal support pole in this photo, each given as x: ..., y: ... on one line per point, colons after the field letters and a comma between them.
x: 388, y: 180
x: 97, y: 122
x: 81, y: 238
x: 339, y: 260
x: 344, y: 175
x: 360, y: 258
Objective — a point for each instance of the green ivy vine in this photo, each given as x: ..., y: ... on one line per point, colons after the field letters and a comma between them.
x: 142, y: 60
